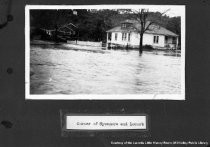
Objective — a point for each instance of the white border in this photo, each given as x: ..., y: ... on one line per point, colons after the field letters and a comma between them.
x: 93, y: 96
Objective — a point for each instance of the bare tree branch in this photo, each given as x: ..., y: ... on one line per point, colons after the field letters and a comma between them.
x: 142, y: 16
x: 147, y: 28
x: 165, y: 11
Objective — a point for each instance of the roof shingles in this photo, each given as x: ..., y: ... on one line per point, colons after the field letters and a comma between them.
x: 153, y: 29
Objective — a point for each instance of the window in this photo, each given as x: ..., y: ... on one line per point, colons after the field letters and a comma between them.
x: 166, y: 39
x: 109, y: 36
x: 115, y: 36
x: 124, y: 36
x: 129, y: 36
x: 174, y: 40
x: 156, y: 39
x: 123, y: 25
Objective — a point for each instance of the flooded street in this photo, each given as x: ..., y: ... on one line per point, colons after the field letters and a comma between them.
x: 58, y: 71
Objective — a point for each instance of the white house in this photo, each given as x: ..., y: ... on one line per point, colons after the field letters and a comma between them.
x: 127, y: 34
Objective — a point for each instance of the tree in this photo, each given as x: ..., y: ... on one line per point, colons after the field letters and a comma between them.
x: 174, y: 25
x: 142, y: 16
x: 92, y: 23
x: 49, y: 18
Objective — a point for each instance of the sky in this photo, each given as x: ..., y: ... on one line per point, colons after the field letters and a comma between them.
x: 173, y: 10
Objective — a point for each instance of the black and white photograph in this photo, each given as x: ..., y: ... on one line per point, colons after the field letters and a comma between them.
x: 105, y: 52
x: 77, y: 73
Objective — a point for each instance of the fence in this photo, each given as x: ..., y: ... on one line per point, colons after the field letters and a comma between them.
x: 86, y: 43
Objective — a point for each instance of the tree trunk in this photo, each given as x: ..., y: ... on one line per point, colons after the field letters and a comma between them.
x: 141, y: 44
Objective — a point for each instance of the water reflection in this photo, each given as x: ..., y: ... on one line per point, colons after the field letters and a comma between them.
x: 58, y: 71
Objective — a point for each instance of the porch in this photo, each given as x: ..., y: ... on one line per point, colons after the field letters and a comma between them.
x: 171, y: 42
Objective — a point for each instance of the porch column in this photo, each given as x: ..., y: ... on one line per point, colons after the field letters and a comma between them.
x: 177, y: 42
x: 107, y: 37
x: 107, y: 40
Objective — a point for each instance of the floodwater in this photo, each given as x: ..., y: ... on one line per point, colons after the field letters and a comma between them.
x: 68, y: 71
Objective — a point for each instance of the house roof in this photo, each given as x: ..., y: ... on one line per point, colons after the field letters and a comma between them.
x: 161, y: 31
x: 66, y: 27
x: 153, y: 29
x: 128, y: 21
x: 119, y: 29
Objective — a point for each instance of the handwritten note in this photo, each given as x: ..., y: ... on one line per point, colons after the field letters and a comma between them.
x: 106, y: 122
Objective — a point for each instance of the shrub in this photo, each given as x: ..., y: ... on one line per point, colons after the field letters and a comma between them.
x: 147, y: 46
